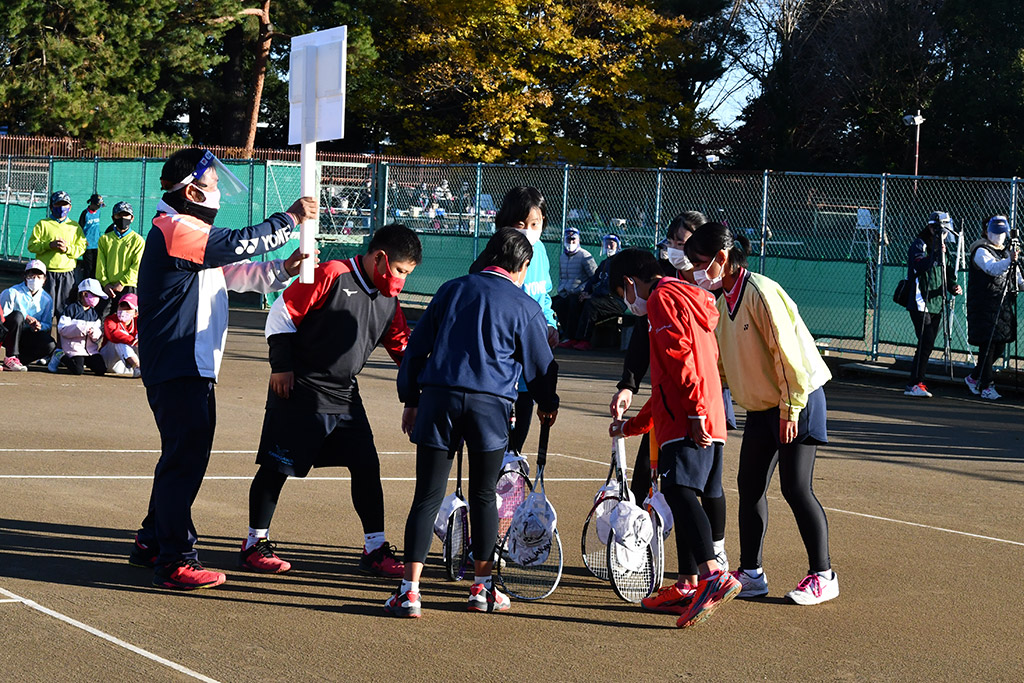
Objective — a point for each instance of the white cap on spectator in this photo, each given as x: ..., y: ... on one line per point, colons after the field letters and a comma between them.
x: 36, y: 264
x: 92, y: 286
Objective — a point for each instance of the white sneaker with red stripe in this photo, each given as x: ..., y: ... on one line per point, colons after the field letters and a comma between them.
x: 815, y: 589
x: 405, y: 605
x: 484, y: 599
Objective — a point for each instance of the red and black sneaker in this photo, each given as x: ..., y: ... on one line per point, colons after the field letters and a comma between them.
x: 260, y: 557
x: 382, y: 562
x: 186, y: 575
x: 141, y: 556
x: 406, y: 605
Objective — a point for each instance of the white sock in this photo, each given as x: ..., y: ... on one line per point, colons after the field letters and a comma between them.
x: 408, y: 586
x: 753, y: 573
x: 485, y: 580
x: 255, y: 535
x: 373, y: 541
x: 719, y: 546
x: 828, y: 574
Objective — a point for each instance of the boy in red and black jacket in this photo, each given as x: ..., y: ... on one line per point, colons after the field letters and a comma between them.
x: 688, y: 418
x: 320, y: 336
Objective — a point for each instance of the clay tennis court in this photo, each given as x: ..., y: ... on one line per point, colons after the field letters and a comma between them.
x: 924, y: 501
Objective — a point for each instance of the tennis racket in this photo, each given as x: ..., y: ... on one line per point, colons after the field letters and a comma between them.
x: 631, y: 570
x: 456, y: 541
x: 658, y: 541
x: 593, y: 545
x: 536, y: 578
x: 511, y: 490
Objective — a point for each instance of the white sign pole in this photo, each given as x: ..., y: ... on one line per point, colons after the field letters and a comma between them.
x: 309, y: 187
x: 317, y: 112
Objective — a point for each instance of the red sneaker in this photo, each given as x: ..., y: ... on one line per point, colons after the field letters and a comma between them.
x: 566, y: 344
x: 674, y: 599
x: 583, y: 346
x: 713, y: 591
x: 260, y: 557
x: 142, y: 556
x: 382, y: 562
x: 186, y: 575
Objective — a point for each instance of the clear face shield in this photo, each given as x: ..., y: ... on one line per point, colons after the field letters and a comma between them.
x: 232, y: 190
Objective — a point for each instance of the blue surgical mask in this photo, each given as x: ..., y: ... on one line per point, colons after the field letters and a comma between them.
x: 60, y: 212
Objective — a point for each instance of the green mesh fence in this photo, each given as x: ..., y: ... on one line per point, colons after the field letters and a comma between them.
x: 837, y: 243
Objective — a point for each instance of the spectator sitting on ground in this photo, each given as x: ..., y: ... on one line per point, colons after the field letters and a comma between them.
x: 121, y: 348
x: 27, y: 313
x: 81, y: 332
x: 119, y: 254
x: 575, y: 267
x: 93, y: 229
x: 58, y: 242
x: 598, y: 303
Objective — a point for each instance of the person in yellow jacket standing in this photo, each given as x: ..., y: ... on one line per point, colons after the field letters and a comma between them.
x: 118, y: 255
x: 775, y: 372
x: 58, y: 242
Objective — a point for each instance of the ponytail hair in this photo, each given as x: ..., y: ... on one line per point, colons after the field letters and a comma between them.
x: 711, y: 238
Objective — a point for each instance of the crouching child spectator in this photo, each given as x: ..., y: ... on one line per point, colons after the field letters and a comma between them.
x: 80, y: 332
x: 27, y: 313
x: 121, y: 335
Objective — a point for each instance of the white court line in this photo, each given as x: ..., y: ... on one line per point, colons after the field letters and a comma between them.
x: 925, y: 526
x: 109, y: 638
x: 149, y: 477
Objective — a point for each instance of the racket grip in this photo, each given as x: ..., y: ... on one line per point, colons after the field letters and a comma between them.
x: 542, y: 446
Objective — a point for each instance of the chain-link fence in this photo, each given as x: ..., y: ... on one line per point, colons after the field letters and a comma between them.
x: 836, y: 242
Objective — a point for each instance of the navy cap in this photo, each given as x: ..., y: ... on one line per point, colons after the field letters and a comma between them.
x: 60, y: 196
x: 998, y: 225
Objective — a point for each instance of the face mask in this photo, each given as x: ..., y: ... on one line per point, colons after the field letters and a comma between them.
x: 34, y: 284
x: 997, y: 239
x: 125, y: 316
x: 90, y: 299
x: 205, y: 210
x: 122, y: 224
x: 61, y: 211
x: 532, y: 235
x: 386, y: 283
x: 572, y: 247
x: 212, y: 200
x: 639, y: 306
x: 677, y: 257
x: 701, y: 279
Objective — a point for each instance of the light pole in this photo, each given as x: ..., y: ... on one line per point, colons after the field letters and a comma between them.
x: 915, y: 120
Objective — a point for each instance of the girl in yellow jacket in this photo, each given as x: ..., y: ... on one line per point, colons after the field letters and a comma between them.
x: 774, y: 371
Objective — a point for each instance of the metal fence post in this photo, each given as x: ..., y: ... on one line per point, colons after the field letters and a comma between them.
x: 7, y: 203
x: 657, y: 206
x: 565, y: 200
x: 96, y: 173
x: 142, y: 191
x: 380, y: 178
x: 49, y: 180
x: 266, y: 186
x: 252, y: 179
x: 876, y: 315
x: 764, y: 218
x: 476, y: 207
x: 1013, y: 201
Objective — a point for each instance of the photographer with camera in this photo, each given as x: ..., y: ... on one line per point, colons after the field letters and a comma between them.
x: 934, y: 282
x: 991, y: 309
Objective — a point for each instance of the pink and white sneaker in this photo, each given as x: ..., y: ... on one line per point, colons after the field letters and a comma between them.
x: 815, y: 589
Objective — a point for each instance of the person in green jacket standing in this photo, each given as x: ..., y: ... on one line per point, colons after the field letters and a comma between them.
x: 118, y: 255
x: 58, y: 242
x: 935, y: 282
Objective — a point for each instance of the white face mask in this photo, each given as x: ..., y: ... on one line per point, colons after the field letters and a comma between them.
x: 639, y: 306
x: 212, y: 200
x: 532, y: 235
x: 34, y: 284
x: 701, y: 279
x: 125, y: 316
x: 997, y: 239
x: 677, y: 257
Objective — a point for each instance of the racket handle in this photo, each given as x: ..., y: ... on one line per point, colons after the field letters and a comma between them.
x: 542, y: 447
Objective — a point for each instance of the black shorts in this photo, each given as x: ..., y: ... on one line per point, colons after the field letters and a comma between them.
x: 447, y: 416
x: 295, y: 440
x: 685, y: 464
x: 812, y: 423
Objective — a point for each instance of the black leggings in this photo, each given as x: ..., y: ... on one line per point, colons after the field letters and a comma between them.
x: 759, y: 454
x: 432, y: 468
x: 693, y: 531
x: 926, y: 326
x: 367, y: 495
x: 524, y: 415
x: 640, y: 484
x: 76, y: 365
x: 988, y: 354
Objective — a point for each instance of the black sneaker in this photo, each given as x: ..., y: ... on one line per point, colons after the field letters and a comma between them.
x: 382, y: 562
x: 141, y: 556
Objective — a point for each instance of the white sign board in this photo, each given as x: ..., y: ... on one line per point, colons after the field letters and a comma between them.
x: 316, y: 96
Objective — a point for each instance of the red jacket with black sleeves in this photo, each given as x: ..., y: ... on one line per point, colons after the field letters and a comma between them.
x: 685, y: 382
x: 325, y: 332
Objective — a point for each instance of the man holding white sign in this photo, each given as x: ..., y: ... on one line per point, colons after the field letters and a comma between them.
x: 186, y: 271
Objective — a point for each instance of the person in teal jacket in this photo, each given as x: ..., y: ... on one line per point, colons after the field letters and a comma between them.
x: 525, y: 209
